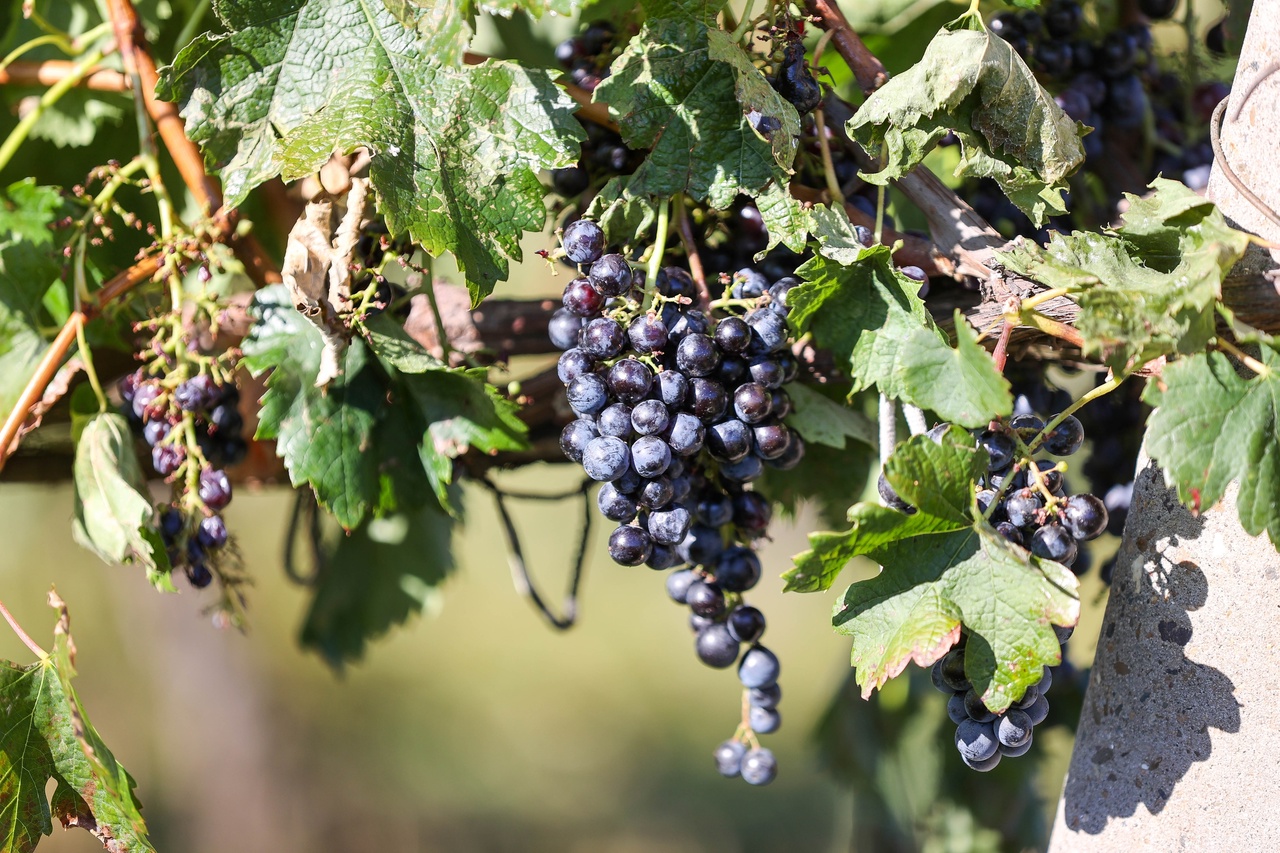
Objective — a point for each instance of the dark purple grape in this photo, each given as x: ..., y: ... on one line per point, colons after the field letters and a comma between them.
x: 759, y: 767
x: 614, y: 505
x: 128, y: 385
x: 715, y: 510
x: 1053, y: 542
x: 1000, y: 448
x: 1117, y: 54
x: 733, y: 335
x: 715, y: 647
x: 1063, y: 18
x: 759, y: 668
x: 155, y: 432
x: 602, y: 338
x: 1075, y: 104
x: 702, y: 545
x: 171, y: 524
x: 708, y: 399
x: 751, y: 514
x: 1066, y: 438
x: 581, y: 299
x: 770, y: 331
x: 583, y: 242
x: 630, y: 380
x: 1053, y: 479
x: 697, y: 355
x: 212, y: 532
x: 752, y: 403
x: 737, y: 569
x: 144, y: 400
x: 1084, y: 517
x: 1023, y: 507
x: 795, y: 82
x: 671, y: 388
x: 587, y: 394
x: 615, y: 420
x: 1008, y: 531
x: 647, y: 334
x: 764, y: 721
x: 215, y: 488
x: 778, y: 294
x: 767, y: 371
x: 748, y: 284
x: 976, y: 740
x: 771, y: 440
x: 732, y: 371
x: 572, y: 180
x: 196, y: 393
x: 675, y: 282
x: 167, y: 458
x: 611, y: 275
x: 649, y: 417
x: 890, y: 497
x: 198, y: 575
x: 1005, y: 25
x: 976, y: 709
x: 650, y: 455
x: 780, y: 402
x: 705, y: 598
x: 629, y: 546
x: 606, y: 458
x: 745, y: 625
x: 669, y: 526
x: 681, y: 324
x: 763, y: 697
x: 663, y: 557
x: 575, y: 437
x: 728, y: 757
x: 572, y: 364
x: 685, y: 434
x: 564, y: 329
x: 1026, y: 426
x: 729, y: 440
x: 1216, y: 38
x: 678, y: 584
x: 1054, y: 58
x: 655, y: 493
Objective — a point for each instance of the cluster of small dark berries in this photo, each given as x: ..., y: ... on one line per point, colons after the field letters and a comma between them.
x: 983, y: 738
x: 192, y: 529
x: 677, y: 412
x: 1112, y: 83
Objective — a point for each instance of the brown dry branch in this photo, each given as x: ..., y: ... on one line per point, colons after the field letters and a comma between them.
x: 867, y: 70
x: 50, y: 71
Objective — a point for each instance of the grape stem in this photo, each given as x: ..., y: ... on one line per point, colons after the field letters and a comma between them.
x: 1113, y: 382
x: 1041, y: 323
x: 1040, y: 298
x: 1243, y: 357
x: 659, y: 241
x: 915, y: 419
x: 888, y: 417
x: 445, y: 349
x: 828, y: 167
x: 1001, y: 353
x: 22, y: 635
x: 685, y: 229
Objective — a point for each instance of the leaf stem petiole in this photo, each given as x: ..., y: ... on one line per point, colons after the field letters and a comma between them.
x: 22, y: 635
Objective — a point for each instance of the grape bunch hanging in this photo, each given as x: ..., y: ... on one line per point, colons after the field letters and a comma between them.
x: 677, y: 412
x: 1026, y: 500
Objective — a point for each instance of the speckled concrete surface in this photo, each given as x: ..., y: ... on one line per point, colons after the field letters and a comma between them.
x: 1179, y: 740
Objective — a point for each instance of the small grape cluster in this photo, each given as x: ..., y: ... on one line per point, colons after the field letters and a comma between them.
x: 170, y: 416
x: 677, y: 412
x: 983, y: 738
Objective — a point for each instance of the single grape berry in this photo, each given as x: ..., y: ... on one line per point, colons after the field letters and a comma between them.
x: 215, y: 488
x: 955, y: 709
x: 212, y: 532
x: 678, y: 584
x: 751, y: 514
x: 1084, y: 516
x: 729, y: 440
x: 952, y: 671
x: 697, y: 355
x: 647, y: 334
x: 649, y: 417
x: 976, y: 741
x: 675, y: 282
x: 669, y: 526
x: 729, y: 758
x: 575, y: 437
x: 655, y: 493
x: 1023, y: 507
x: 707, y: 399
x: 606, y: 458
x: 198, y: 575
x: 564, y: 329
x: 1013, y: 729
x: 602, y: 338
x: 611, y: 275
x: 738, y: 569
x: 745, y: 624
x: 715, y: 647
x: 614, y: 505
x: 196, y: 393
x: 702, y: 545
x: 764, y: 720
x: 733, y: 335
x: 1000, y: 448
x: 581, y: 299
x: 705, y: 598
x: 771, y: 440
x: 588, y: 394
x: 752, y: 403
x: 765, y: 697
x: 1053, y: 542
x: 889, y: 497
x: 629, y: 546
x: 1065, y: 438
x: 767, y: 371
x: 759, y: 668
x: 650, y: 455
x: 685, y: 434
x: 615, y: 420
x: 795, y: 82
x: 759, y: 767
x: 583, y: 242
x: 671, y: 388
x: 572, y: 364
x: 748, y: 284
x: 770, y: 330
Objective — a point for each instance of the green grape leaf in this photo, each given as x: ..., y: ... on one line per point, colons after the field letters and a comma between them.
x: 45, y: 735
x: 789, y: 222
x: 1149, y: 288
x: 698, y: 10
x: 325, y: 434
x: 942, y: 570
x: 1212, y: 426
x: 680, y: 89
x: 384, y: 572
x: 113, y: 514
x: 962, y: 385
x: 820, y: 420
x: 812, y: 481
x: 76, y: 117
x: 30, y: 266
x: 427, y: 16
x: 457, y: 149
x: 624, y: 216
x: 973, y: 83
x: 862, y: 310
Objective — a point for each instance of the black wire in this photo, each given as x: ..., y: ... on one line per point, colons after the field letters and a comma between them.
x: 304, y: 504
x: 515, y: 552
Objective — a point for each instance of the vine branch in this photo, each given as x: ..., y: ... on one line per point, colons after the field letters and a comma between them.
x: 50, y: 72
x: 867, y: 70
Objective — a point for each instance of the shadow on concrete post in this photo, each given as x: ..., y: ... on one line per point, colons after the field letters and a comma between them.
x: 1178, y: 746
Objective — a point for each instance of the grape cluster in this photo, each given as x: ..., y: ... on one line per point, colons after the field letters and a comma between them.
x: 983, y: 738
x: 677, y: 413
x: 1112, y: 83
x: 192, y: 528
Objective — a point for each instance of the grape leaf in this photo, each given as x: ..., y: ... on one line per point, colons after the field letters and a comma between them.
x: 821, y: 420
x: 113, y: 514
x: 624, y: 216
x: 385, y: 571
x: 683, y: 90
x: 456, y: 149
x: 428, y: 15
x: 862, y: 310
x: 27, y: 209
x: 943, y: 569
x: 1148, y: 289
x: 973, y: 83
x: 1212, y: 426
x: 962, y: 384
x: 45, y: 735
x: 392, y: 422
x: 77, y: 116
x: 790, y: 222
